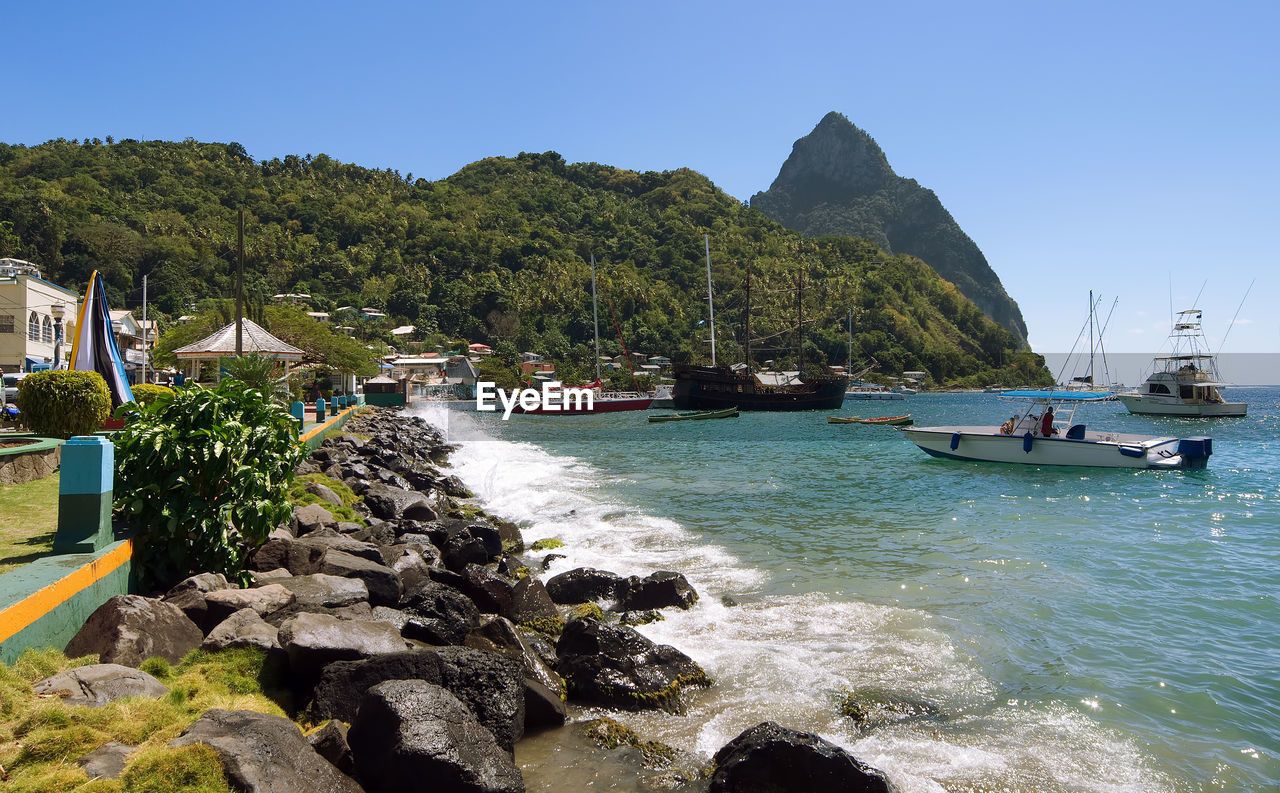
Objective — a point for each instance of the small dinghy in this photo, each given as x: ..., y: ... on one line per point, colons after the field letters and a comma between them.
x: 699, y: 415
x: 892, y: 421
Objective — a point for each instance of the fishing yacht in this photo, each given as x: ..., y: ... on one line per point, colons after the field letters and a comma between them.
x: 1185, y: 382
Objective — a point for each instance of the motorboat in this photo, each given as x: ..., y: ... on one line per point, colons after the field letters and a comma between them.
x: 1185, y: 382
x: 862, y: 390
x: 1027, y: 438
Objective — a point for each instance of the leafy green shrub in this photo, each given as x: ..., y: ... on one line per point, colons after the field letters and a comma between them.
x: 203, y: 478
x: 62, y: 404
x: 147, y: 393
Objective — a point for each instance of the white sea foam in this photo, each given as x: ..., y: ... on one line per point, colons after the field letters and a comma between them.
x: 789, y: 658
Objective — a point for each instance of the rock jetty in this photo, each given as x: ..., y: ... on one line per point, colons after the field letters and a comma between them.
x: 420, y: 641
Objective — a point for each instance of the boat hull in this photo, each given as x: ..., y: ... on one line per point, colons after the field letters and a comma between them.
x: 701, y: 416
x: 1095, y: 449
x: 888, y: 421
x: 1143, y: 405
x: 873, y: 395
x: 704, y: 388
x: 597, y: 406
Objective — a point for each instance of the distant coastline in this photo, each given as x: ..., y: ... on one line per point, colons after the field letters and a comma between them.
x: 1241, y: 369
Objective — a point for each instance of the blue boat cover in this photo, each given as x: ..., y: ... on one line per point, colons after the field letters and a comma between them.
x: 1077, y: 396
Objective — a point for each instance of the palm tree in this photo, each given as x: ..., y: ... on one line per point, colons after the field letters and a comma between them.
x: 258, y: 371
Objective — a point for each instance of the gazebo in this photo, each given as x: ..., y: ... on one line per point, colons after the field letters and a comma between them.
x: 223, y: 343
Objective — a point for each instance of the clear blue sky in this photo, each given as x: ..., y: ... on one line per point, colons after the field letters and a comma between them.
x: 1114, y: 146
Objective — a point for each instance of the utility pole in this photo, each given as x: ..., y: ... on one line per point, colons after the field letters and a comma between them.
x: 240, y: 285
x: 144, y: 330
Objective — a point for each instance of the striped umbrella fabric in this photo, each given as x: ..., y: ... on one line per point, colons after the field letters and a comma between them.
x: 95, y: 347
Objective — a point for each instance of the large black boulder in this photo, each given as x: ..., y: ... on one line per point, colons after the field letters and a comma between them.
x: 262, y: 753
x: 656, y: 590
x: 129, y: 629
x: 392, y: 503
x: 491, y: 591
x: 313, y: 641
x: 412, y: 735
x: 615, y: 666
x: 530, y: 602
x: 490, y: 684
x: 443, y: 614
x: 584, y: 584
x: 385, y: 587
x: 769, y: 758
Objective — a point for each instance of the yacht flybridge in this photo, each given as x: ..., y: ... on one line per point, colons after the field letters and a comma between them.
x: 1185, y: 382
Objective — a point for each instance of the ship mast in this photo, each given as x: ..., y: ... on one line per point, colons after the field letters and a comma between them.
x: 747, y: 335
x: 711, y: 306
x: 800, y: 322
x: 595, y: 314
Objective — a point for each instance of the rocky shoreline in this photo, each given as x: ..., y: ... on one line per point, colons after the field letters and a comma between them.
x: 422, y: 643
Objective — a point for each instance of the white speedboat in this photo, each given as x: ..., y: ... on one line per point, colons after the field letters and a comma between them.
x: 1185, y: 382
x: 1022, y: 439
x: 861, y: 390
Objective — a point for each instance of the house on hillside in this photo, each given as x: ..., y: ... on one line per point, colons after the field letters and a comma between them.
x: 130, y: 341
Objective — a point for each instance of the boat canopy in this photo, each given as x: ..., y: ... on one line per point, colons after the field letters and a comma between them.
x: 1065, y: 395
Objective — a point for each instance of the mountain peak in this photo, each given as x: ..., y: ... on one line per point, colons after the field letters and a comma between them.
x: 834, y: 163
x: 838, y: 182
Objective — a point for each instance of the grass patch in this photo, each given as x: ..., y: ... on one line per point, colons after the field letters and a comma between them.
x: 299, y: 497
x: 28, y: 520
x: 41, y: 739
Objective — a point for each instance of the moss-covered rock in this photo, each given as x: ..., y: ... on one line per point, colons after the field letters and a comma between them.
x: 609, y: 734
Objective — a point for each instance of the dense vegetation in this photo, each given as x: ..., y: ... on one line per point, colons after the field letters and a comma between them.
x: 497, y: 252
x: 203, y: 477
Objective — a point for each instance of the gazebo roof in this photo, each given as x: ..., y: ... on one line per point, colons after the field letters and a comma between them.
x: 254, y: 339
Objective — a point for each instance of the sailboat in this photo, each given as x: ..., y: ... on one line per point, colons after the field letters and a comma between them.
x: 717, y: 387
x: 602, y: 402
x: 1185, y: 382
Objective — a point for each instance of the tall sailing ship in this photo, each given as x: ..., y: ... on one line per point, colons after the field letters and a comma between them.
x: 716, y: 387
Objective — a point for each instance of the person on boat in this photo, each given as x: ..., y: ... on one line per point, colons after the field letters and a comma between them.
x: 1007, y: 427
x: 1046, y: 423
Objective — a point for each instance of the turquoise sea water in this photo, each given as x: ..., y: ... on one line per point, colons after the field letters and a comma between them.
x: 1046, y: 628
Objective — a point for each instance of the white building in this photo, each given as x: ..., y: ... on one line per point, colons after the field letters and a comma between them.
x: 31, y: 310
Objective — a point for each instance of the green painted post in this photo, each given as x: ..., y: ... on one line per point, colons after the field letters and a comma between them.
x: 85, y: 492
x: 319, y: 410
x: 299, y: 412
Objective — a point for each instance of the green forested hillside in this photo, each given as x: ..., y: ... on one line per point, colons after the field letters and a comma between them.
x: 497, y: 252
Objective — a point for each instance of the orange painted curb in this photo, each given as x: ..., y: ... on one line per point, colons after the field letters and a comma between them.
x: 314, y: 431
x: 27, y: 611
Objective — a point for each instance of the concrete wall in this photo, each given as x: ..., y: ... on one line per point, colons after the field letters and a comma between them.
x: 30, y: 462
x: 44, y: 603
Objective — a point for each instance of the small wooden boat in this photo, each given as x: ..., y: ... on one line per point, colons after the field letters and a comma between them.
x: 892, y: 421
x: 698, y: 415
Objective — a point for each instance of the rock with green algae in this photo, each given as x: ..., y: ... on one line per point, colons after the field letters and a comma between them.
x: 614, y: 666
